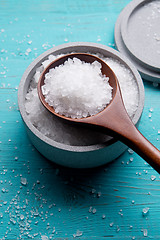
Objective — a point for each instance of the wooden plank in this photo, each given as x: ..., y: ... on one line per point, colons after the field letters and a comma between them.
x: 102, y: 203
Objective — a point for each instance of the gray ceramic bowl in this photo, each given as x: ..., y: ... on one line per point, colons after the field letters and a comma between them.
x: 76, y: 156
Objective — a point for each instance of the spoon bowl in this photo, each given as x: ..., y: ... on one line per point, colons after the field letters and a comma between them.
x: 114, y: 119
x: 105, y: 69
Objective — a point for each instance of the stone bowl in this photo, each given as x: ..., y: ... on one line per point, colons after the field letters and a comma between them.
x: 69, y: 155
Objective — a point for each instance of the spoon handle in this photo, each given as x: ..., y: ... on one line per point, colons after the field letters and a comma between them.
x: 135, y: 140
x: 117, y: 122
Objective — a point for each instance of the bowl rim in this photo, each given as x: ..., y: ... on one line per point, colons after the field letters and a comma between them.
x: 62, y: 48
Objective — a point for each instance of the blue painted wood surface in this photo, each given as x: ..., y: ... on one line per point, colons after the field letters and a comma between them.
x: 59, y: 203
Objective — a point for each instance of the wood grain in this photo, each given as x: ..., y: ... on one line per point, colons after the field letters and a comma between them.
x: 102, y: 203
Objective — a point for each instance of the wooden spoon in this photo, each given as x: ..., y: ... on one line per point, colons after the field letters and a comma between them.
x: 114, y: 119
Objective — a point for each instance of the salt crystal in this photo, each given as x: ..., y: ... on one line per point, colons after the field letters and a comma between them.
x: 94, y: 210
x: 90, y: 209
x: 78, y: 234
x: 131, y: 159
x: 28, y: 50
x: 111, y: 224
x: 99, y: 194
x: 22, y: 217
x: 44, y: 237
x: 12, y: 221
x: 130, y: 151
x: 153, y: 177
x: 145, y: 232
x: 145, y: 211
x: 118, y: 228
x: 23, y: 181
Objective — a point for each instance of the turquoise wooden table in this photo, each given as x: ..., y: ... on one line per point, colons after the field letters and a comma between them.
x: 38, y: 199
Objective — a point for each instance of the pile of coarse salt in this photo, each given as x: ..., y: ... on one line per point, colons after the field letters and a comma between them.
x: 63, y: 132
x: 77, y: 89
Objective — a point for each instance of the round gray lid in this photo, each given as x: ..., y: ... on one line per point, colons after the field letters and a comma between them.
x: 137, y: 35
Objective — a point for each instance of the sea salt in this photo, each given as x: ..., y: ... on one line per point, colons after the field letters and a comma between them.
x: 153, y: 177
x: 23, y: 181
x: 145, y: 211
x: 77, y: 234
x: 77, y: 89
x: 145, y: 232
x: 44, y: 237
x: 63, y: 132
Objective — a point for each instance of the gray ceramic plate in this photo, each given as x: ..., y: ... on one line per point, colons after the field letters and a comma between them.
x: 130, y: 39
x: 76, y: 156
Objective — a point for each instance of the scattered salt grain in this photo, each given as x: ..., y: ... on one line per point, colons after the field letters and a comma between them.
x: 22, y: 217
x: 78, y: 234
x: 130, y: 151
x: 145, y: 211
x: 118, y: 228
x: 99, y: 194
x: 23, y: 181
x: 12, y: 221
x: 153, y: 177
x: 94, y: 210
x: 3, y: 190
x: 90, y: 209
x: 44, y: 237
x: 131, y: 159
x: 145, y: 232
x: 28, y: 50
x: 111, y: 224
